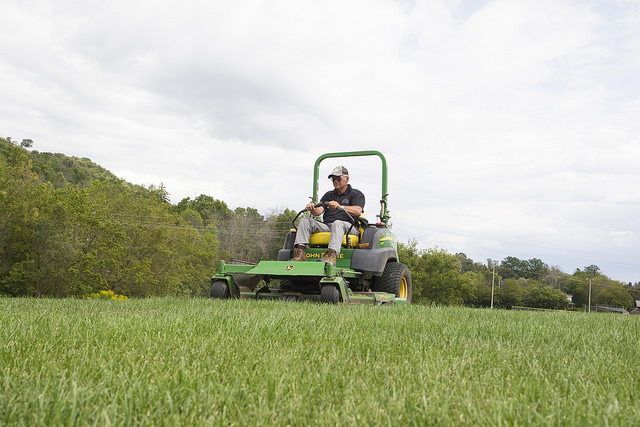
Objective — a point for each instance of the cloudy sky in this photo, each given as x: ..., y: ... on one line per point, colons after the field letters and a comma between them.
x: 510, y: 127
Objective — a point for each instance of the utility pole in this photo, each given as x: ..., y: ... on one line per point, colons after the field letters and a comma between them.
x: 589, y: 296
x: 493, y: 282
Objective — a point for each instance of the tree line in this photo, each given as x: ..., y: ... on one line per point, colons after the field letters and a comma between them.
x: 68, y: 227
x: 443, y: 278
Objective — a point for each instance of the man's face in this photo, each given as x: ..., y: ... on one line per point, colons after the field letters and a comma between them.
x: 340, y: 183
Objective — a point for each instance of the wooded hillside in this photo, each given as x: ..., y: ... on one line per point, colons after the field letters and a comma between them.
x: 69, y: 228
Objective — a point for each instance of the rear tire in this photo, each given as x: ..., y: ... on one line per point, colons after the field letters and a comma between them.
x: 330, y: 294
x: 396, y: 279
x: 219, y: 289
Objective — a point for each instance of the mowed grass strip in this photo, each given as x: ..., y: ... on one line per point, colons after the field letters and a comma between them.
x: 176, y: 361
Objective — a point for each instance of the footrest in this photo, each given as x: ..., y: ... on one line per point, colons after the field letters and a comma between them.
x: 288, y: 268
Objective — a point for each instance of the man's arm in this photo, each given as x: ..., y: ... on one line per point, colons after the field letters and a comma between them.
x: 354, y: 211
x: 313, y: 210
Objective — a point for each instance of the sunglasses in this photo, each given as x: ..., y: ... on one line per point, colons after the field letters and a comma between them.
x: 336, y: 178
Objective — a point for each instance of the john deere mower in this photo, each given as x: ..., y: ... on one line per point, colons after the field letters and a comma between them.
x: 367, y: 270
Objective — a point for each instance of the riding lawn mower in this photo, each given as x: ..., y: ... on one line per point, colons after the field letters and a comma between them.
x: 367, y: 270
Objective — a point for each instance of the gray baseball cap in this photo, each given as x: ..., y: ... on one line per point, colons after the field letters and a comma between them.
x: 339, y: 171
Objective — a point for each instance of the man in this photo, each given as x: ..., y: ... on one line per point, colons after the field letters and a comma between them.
x: 341, y: 201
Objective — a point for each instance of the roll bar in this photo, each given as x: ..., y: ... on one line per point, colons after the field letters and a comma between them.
x: 384, y: 213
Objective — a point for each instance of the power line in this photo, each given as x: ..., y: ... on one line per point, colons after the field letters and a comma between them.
x: 518, y: 243
x: 616, y: 264
x: 256, y: 227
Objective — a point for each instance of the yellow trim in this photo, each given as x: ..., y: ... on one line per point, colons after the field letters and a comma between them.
x: 403, y: 288
x: 323, y: 237
x: 518, y: 307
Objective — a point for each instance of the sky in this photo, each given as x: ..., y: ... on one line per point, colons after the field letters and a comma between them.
x: 510, y: 127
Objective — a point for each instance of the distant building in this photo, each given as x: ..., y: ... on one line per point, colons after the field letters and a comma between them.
x: 636, y: 309
x: 570, y: 299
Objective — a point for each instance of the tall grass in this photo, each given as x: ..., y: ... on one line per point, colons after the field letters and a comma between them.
x: 211, y: 362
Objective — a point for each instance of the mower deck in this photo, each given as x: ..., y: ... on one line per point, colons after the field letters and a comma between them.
x: 326, y: 275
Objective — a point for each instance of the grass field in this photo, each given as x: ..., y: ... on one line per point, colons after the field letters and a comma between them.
x: 212, y: 362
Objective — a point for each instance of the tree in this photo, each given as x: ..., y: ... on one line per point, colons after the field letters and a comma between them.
x: 512, y: 268
x: 536, y: 269
x: 479, y: 291
x: 157, y: 252
x: 542, y: 296
x: 279, y: 225
x: 556, y: 278
x: 73, y: 239
x: 592, y: 270
x: 510, y: 294
x: 467, y: 264
x: 211, y: 210
x: 435, y: 275
x: 614, y: 294
x: 24, y: 201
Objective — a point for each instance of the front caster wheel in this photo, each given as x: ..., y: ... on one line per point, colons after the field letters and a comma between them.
x: 330, y: 294
x: 219, y: 289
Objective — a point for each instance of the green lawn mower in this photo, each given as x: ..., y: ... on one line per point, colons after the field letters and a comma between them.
x: 367, y: 270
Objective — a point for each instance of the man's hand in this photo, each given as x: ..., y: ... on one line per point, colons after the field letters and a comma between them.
x: 333, y: 205
x: 315, y: 211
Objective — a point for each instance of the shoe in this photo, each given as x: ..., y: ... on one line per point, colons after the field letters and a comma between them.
x: 329, y: 256
x: 300, y: 254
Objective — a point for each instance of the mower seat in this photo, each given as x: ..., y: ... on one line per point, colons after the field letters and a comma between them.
x: 322, y: 239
